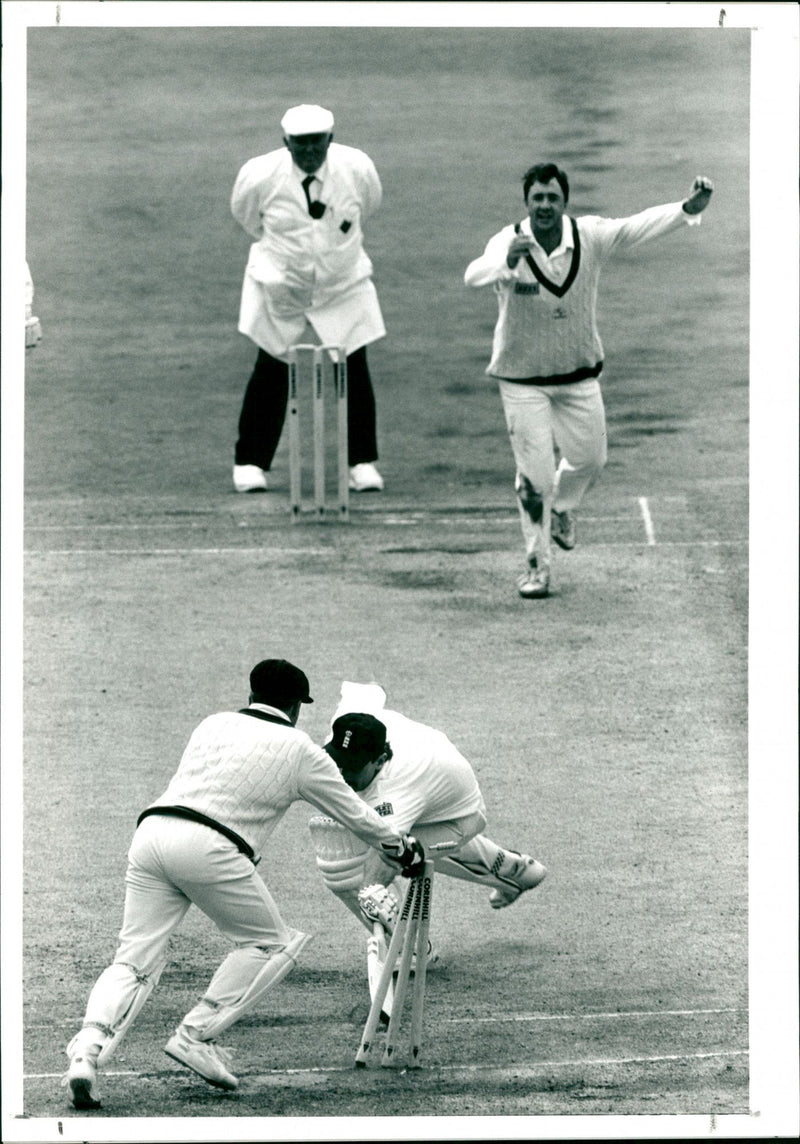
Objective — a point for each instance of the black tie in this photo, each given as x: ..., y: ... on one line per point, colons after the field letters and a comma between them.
x: 315, y: 209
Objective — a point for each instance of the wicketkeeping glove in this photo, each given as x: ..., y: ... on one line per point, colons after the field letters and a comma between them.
x: 410, y: 857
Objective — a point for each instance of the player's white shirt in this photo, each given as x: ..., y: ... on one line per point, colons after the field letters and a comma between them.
x: 427, y: 780
x: 245, y: 772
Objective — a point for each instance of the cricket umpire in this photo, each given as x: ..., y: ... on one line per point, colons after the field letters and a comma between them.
x: 200, y: 843
x: 547, y: 354
x: 305, y: 204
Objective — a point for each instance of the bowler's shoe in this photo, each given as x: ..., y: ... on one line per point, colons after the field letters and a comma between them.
x: 534, y: 584
x: 365, y: 478
x: 249, y: 479
x: 562, y: 529
x: 203, y: 1057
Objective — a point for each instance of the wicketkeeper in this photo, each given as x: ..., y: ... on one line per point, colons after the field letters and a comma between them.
x: 200, y: 843
x: 415, y: 779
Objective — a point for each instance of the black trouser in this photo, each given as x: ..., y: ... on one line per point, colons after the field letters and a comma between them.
x: 264, y: 411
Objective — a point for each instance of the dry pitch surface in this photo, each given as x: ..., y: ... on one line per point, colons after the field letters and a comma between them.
x: 607, y: 725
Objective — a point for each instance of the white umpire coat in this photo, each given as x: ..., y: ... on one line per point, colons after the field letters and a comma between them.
x: 305, y: 270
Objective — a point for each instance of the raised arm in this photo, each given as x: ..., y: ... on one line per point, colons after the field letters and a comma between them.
x: 625, y: 233
x: 493, y: 265
x: 699, y: 196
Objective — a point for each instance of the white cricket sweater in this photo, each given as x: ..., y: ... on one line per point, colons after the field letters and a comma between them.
x: 245, y: 772
x: 546, y: 331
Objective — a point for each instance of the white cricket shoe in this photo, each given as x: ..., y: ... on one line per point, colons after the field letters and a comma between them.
x: 249, y: 479
x: 365, y: 478
x: 81, y: 1077
x: 525, y: 874
x: 534, y: 584
x: 204, y: 1057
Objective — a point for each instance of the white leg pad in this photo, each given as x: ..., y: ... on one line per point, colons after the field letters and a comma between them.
x: 116, y: 1000
x: 341, y: 856
x: 246, y: 974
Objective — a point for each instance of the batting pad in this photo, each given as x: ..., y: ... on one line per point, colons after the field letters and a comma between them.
x: 341, y: 856
x: 251, y: 972
x: 127, y: 990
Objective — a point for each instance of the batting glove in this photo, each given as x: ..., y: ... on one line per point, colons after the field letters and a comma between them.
x: 378, y: 905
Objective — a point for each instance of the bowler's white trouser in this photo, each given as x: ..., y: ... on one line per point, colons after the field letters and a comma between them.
x: 540, y: 419
x: 173, y: 863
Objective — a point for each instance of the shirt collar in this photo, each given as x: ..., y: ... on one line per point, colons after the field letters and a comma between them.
x: 270, y: 710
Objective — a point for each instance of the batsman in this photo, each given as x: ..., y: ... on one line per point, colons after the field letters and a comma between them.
x: 416, y: 779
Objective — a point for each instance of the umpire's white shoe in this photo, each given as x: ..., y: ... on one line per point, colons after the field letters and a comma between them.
x: 203, y: 1057
x: 534, y: 584
x: 562, y: 529
x: 81, y: 1078
x: 365, y: 478
x: 249, y: 479
x: 524, y: 874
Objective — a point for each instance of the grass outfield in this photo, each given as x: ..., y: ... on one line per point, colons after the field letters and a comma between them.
x: 607, y: 725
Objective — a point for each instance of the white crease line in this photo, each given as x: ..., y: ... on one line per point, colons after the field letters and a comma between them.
x: 501, y: 518
x: 648, y: 521
x: 533, y: 1070
x: 273, y: 521
x: 588, y: 1016
x: 469, y: 1070
x: 266, y: 549
x: 617, y: 1015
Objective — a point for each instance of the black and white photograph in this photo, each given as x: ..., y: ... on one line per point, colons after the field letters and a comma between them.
x: 399, y: 571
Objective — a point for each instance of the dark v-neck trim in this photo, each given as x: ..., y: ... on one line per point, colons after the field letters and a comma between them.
x: 542, y: 278
x: 265, y: 715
